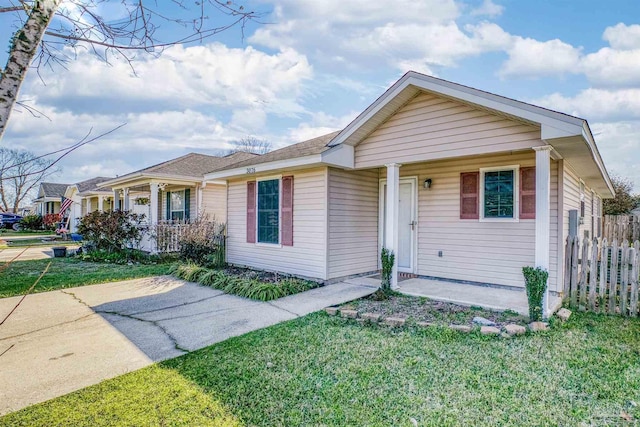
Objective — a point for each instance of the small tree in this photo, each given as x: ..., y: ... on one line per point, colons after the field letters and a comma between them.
x: 536, y: 284
x: 250, y: 144
x: 21, y: 172
x: 624, y: 201
x: 111, y: 231
x: 387, y: 259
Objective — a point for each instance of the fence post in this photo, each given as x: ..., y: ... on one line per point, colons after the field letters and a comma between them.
x: 634, y: 255
x: 613, y: 277
x: 624, y: 277
x: 567, y: 266
x: 604, y: 266
x: 584, y: 273
x: 574, y: 271
x: 593, y: 273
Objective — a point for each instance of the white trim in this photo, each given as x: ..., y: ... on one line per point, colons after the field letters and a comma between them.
x: 413, y: 180
x: 516, y: 193
x: 264, y: 167
x: 270, y: 178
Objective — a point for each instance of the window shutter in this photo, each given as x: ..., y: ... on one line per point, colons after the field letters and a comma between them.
x: 528, y: 193
x: 251, y: 212
x: 286, y: 211
x: 187, y: 205
x: 168, y: 216
x: 469, y: 195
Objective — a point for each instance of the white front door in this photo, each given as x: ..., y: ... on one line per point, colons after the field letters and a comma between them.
x: 407, y: 223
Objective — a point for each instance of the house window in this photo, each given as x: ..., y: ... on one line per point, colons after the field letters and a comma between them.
x: 269, y: 211
x: 177, y: 205
x: 498, y: 187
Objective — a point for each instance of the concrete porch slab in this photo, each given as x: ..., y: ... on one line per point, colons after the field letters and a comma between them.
x: 467, y: 294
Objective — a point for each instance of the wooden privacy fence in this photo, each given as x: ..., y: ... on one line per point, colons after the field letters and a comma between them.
x: 602, y: 277
x: 621, y: 227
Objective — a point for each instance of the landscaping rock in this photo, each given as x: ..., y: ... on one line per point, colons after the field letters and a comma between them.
x: 538, y: 326
x: 483, y: 321
x: 461, y: 328
x: 513, y: 329
x: 395, y: 321
x: 424, y: 324
x: 563, y: 314
x: 371, y: 317
x: 504, y: 335
x: 350, y: 314
x: 489, y: 330
x: 360, y: 321
x: 331, y: 311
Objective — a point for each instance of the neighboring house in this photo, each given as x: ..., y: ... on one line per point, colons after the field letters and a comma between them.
x: 461, y: 184
x: 87, y: 196
x: 49, y: 198
x: 174, y: 189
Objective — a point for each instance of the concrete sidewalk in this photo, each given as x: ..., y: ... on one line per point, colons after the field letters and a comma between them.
x: 60, y: 341
x: 31, y: 253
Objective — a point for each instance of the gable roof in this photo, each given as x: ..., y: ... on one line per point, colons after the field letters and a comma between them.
x: 52, y: 189
x: 92, y: 184
x: 192, y: 166
x: 569, y: 136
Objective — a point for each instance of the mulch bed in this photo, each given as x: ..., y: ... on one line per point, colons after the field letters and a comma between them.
x: 426, y: 310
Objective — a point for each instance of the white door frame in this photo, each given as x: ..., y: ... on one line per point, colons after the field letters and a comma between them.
x: 413, y: 180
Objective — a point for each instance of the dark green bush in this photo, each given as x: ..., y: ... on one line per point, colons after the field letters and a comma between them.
x: 536, y: 284
x: 387, y: 259
x: 32, y: 222
x: 112, y: 231
x: 123, y: 256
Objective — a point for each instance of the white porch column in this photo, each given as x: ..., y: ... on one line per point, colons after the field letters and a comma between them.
x: 87, y: 202
x: 125, y: 199
x: 543, y: 220
x: 116, y: 197
x: 153, y: 201
x: 100, y: 203
x: 392, y: 208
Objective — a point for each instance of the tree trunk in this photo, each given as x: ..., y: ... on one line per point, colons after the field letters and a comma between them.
x: 22, y: 51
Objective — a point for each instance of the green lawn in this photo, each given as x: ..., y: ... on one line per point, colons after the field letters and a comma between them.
x: 320, y: 370
x: 67, y: 273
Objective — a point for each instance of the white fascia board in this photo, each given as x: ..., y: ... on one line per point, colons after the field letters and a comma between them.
x: 588, y: 137
x: 264, y: 167
x: 342, y: 156
x: 138, y: 178
x: 560, y: 124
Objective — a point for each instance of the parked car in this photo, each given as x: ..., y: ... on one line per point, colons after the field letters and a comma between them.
x: 9, y: 220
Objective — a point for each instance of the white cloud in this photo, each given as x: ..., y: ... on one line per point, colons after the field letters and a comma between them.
x: 623, y: 37
x: 488, y: 8
x: 211, y: 75
x: 610, y: 67
x: 532, y: 58
x: 320, y: 124
x: 619, y: 145
x: 597, y: 104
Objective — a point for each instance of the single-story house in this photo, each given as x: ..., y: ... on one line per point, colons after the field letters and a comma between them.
x: 87, y: 196
x: 173, y: 191
x: 49, y: 198
x: 461, y: 184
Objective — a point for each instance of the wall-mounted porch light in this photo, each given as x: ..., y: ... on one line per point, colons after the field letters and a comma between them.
x: 427, y: 183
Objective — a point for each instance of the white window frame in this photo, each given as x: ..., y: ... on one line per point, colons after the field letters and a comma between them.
x: 516, y: 193
x: 171, y: 210
x: 270, y: 178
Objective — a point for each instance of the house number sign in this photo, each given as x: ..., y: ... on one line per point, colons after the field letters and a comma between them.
x: 251, y: 170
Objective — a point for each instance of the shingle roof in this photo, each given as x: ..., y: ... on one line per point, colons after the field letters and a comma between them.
x: 300, y: 149
x: 53, y: 189
x: 194, y: 164
x: 92, y: 184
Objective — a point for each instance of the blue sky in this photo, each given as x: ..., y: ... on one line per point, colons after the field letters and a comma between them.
x: 317, y: 64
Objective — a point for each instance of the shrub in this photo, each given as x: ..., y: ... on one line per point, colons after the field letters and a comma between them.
x: 536, y: 284
x: 111, y: 231
x: 50, y: 221
x: 32, y: 222
x: 203, y: 242
x: 123, y: 256
x: 388, y: 258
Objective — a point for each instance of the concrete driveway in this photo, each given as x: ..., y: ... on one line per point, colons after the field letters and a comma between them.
x: 60, y: 341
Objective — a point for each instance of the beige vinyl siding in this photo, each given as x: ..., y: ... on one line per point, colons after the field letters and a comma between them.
x: 572, y: 201
x: 214, y: 202
x: 473, y: 250
x: 307, y: 256
x: 431, y: 127
x: 353, y: 222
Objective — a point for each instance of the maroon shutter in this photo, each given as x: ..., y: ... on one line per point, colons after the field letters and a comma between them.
x: 287, y: 210
x: 528, y: 193
x: 469, y: 195
x: 251, y: 212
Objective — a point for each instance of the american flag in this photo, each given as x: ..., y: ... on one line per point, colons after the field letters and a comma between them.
x: 64, y: 205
